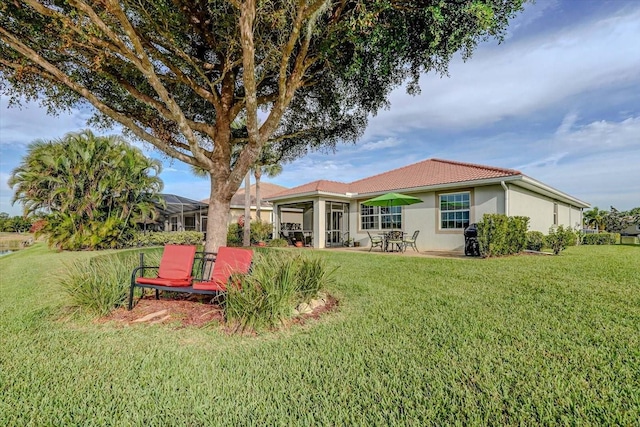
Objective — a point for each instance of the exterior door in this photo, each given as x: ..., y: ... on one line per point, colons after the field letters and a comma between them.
x: 336, y: 223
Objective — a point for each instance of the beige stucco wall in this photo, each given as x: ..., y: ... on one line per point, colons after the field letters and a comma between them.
x: 540, y: 210
x: 235, y: 213
x: 425, y: 217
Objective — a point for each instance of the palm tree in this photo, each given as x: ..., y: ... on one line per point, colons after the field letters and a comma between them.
x: 91, y: 186
x: 595, y: 218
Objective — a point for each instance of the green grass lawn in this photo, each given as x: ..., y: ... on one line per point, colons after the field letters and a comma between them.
x: 526, y: 340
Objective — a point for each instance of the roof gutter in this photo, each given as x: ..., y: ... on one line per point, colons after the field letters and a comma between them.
x: 506, y: 197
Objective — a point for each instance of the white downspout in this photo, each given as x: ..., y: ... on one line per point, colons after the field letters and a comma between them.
x: 506, y: 197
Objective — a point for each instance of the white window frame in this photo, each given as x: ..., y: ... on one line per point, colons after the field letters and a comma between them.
x: 441, y: 212
x: 379, y: 218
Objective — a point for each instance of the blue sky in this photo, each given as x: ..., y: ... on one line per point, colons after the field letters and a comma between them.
x: 559, y: 100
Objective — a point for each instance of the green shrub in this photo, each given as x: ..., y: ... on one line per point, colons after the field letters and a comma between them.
x: 535, y: 240
x: 162, y: 238
x: 260, y: 231
x: 600, y: 239
x: 99, y: 285
x: 559, y: 238
x: 278, y: 243
x: 499, y: 234
x: 517, y: 234
x: 278, y: 282
x: 234, y: 235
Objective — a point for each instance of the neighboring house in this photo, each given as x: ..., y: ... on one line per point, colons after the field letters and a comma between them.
x: 632, y: 230
x: 453, y: 194
x: 178, y: 214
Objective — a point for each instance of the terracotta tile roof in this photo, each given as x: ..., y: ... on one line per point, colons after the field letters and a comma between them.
x: 322, y: 185
x: 426, y: 173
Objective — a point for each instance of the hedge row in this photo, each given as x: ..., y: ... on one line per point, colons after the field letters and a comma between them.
x: 162, y: 238
x: 500, y: 235
x: 600, y: 239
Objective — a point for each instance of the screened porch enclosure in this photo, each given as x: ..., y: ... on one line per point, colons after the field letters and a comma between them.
x: 337, y: 223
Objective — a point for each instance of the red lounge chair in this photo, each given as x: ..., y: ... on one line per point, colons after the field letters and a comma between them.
x: 175, y: 268
x: 229, y: 261
x: 175, y: 271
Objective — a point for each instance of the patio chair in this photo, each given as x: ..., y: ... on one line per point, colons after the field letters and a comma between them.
x: 175, y: 267
x: 288, y: 237
x: 345, y: 238
x: 411, y: 241
x: 175, y: 271
x: 376, y: 241
x: 394, y: 238
x: 228, y: 262
x: 298, y: 236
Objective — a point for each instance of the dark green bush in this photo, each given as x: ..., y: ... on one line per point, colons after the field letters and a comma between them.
x: 559, y: 238
x: 278, y: 282
x: 535, y: 240
x: 600, y: 239
x: 162, y: 238
x: 234, y: 235
x: 499, y: 234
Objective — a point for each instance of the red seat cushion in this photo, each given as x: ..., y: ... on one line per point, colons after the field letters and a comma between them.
x: 229, y: 261
x: 210, y: 286
x: 177, y: 262
x: 163, y: 282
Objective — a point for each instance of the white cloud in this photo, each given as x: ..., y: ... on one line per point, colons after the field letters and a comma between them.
x: 381, y: 144
x: 22, y: 125
x: 520, y: 77
x: 598, y: 162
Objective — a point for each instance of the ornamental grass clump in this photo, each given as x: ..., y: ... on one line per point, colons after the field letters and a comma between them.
x: 99, y: 285
x: 313, y: 277
x: 279, y: 281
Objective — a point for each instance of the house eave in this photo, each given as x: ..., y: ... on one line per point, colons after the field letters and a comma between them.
x: 546, y: 190
x: 307, y: 194
x: 519, y: 180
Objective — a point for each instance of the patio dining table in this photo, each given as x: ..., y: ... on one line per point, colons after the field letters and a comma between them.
x: 391, y: 238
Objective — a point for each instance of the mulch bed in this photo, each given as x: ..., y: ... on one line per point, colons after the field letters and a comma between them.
x: 192, y: 311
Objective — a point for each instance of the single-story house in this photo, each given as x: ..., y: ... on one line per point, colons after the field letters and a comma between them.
x: 632, y: 230
x: 454, y: 194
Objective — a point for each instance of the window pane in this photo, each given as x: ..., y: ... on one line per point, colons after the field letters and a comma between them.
x: 455, y: 210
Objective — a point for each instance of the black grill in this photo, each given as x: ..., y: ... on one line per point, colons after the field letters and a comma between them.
x: 471, y: 246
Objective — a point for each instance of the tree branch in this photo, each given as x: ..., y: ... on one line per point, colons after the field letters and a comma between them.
x: 52, y: 73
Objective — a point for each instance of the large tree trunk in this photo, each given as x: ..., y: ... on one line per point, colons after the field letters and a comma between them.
x: 217, y: 218
x: 246, y: 236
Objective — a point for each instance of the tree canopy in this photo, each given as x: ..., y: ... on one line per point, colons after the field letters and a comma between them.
x: 93, y: 188
x: 177, y: 73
